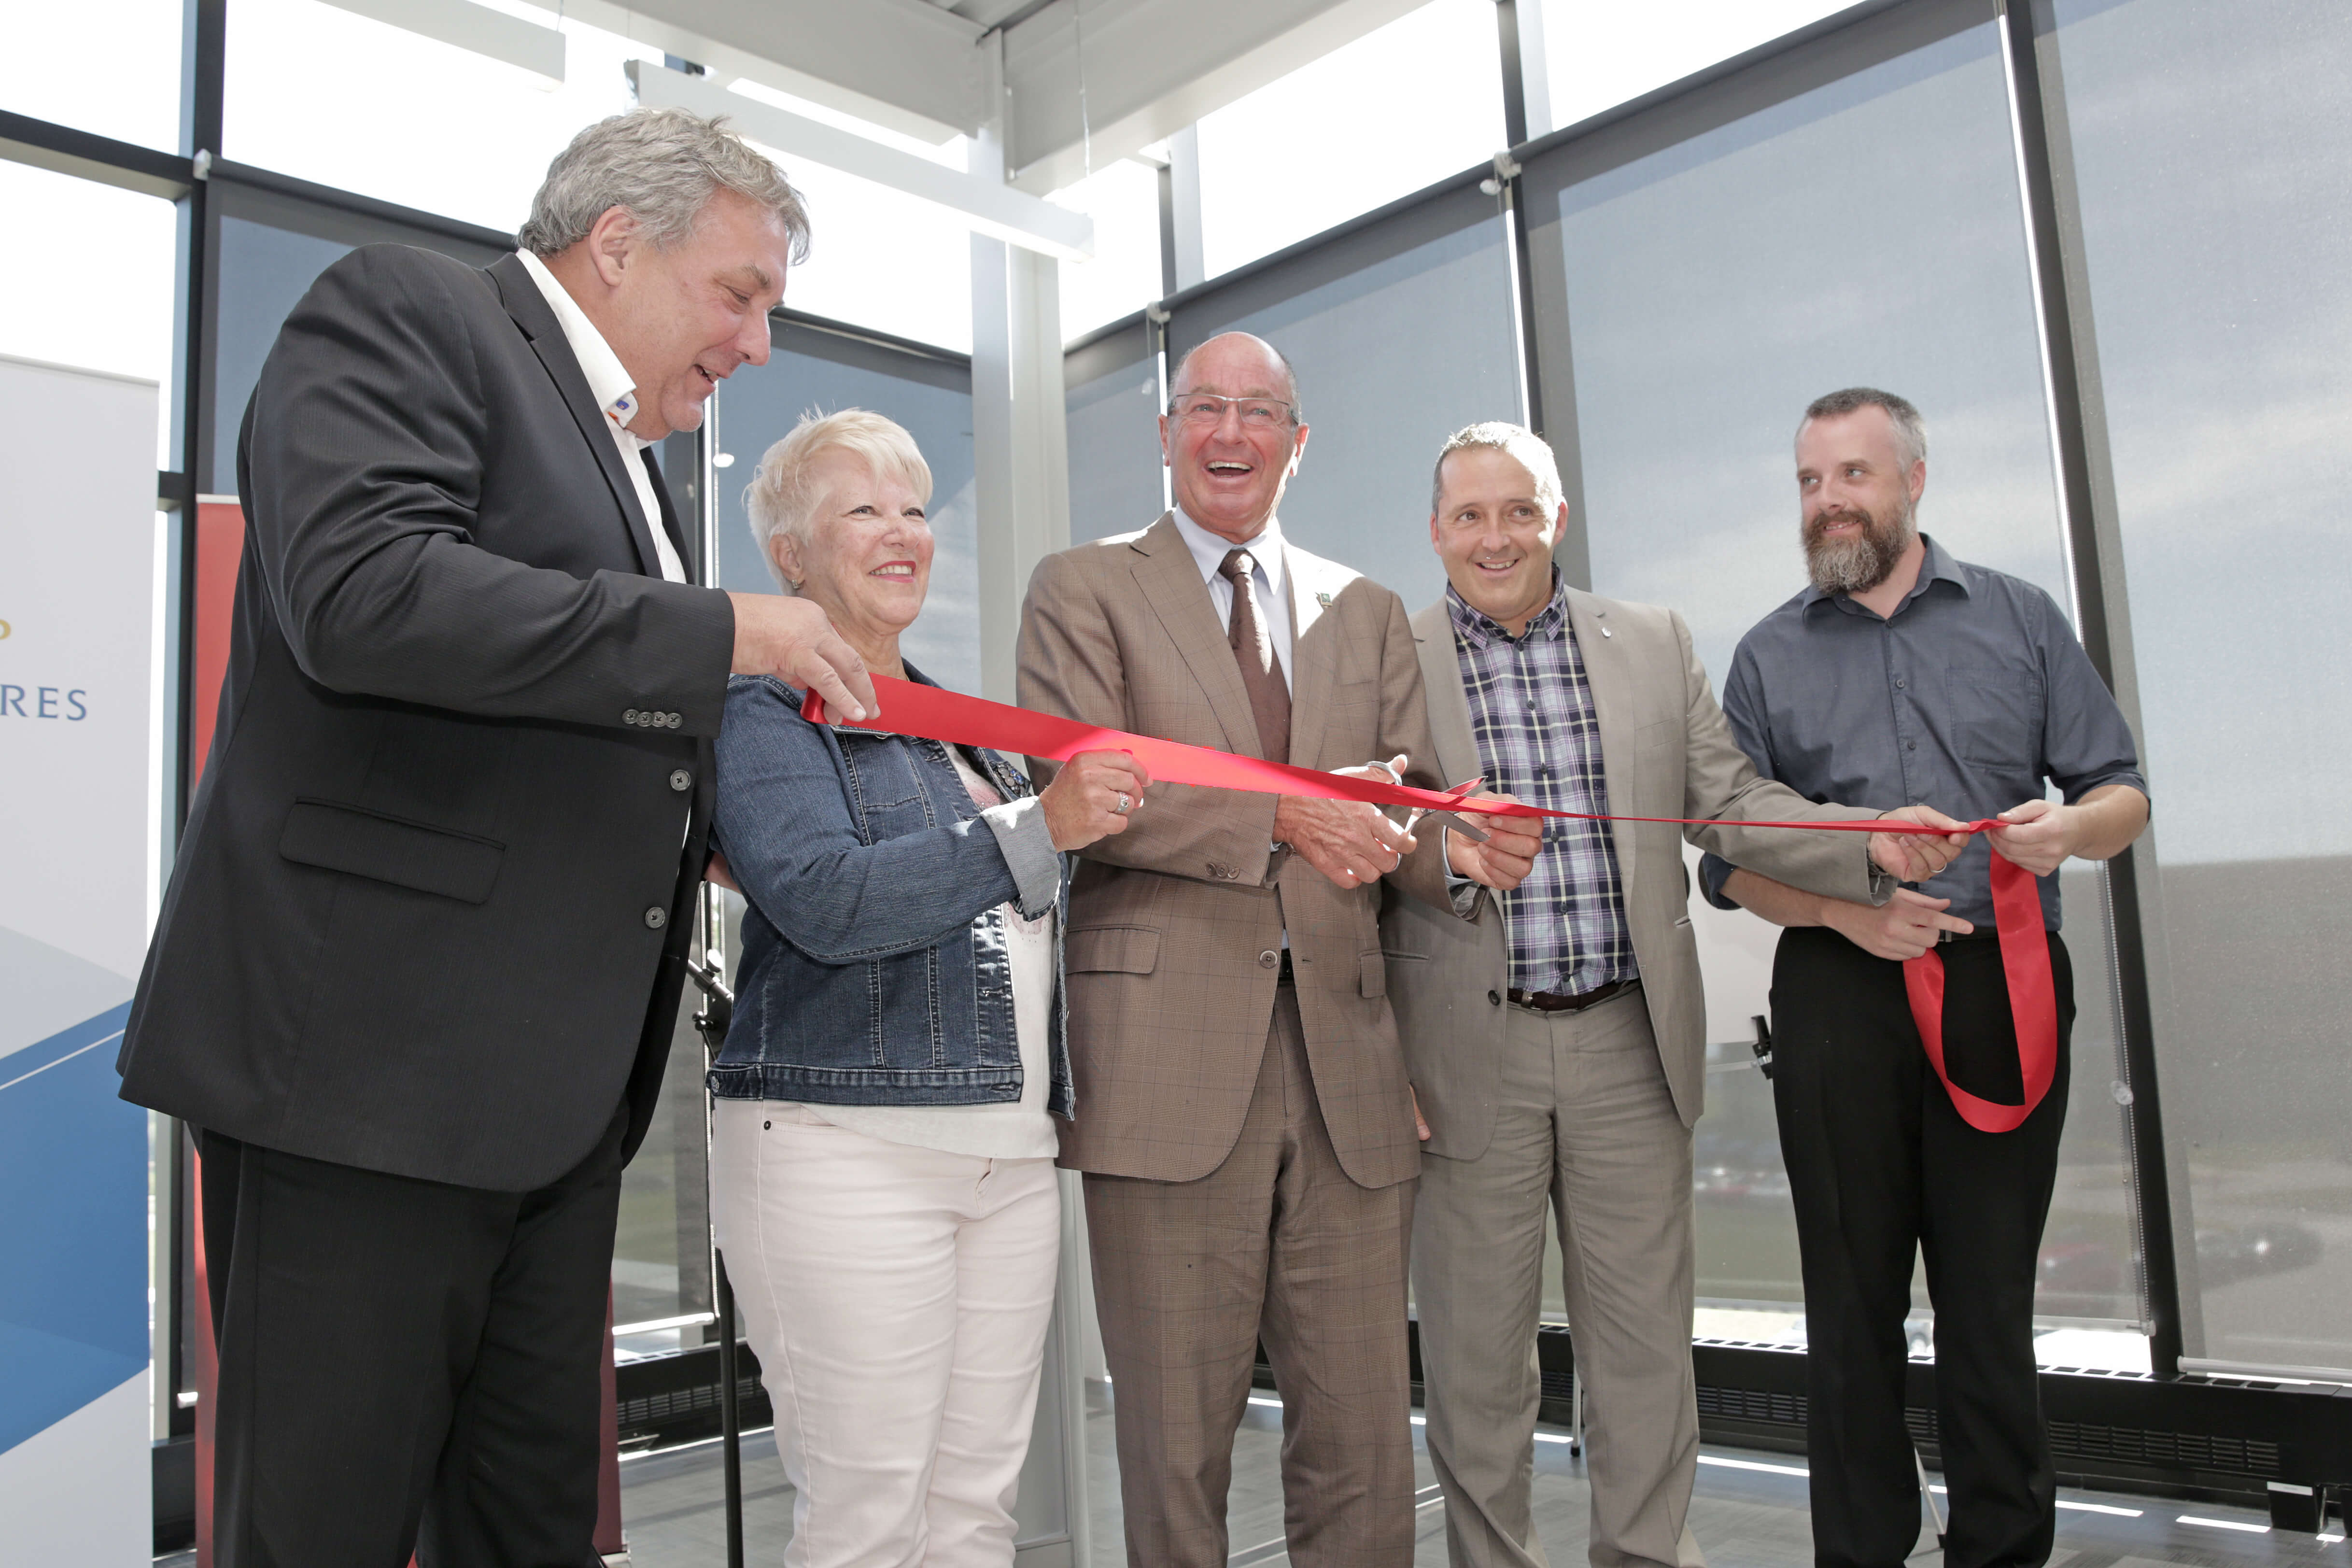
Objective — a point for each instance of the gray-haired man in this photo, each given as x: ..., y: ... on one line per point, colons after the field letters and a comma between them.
x: 418, y: 967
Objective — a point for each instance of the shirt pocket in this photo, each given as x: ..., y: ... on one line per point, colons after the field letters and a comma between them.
x: 887, y: 796
x: 1997, y: 718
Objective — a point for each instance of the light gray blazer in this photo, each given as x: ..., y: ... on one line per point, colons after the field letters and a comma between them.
x: 1666, y: 751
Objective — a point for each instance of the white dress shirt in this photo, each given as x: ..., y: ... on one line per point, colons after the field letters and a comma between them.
x: 610, y: 384
x: 1273, y: 582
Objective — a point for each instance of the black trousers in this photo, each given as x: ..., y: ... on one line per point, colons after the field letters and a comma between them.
x: 1881, y: 1167
x: 405, y: 1365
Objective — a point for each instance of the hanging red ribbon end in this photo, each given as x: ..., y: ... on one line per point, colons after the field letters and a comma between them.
x: 2032, y: 1001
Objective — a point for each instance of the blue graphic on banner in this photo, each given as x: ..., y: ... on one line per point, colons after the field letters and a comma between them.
x: 73, y: 1263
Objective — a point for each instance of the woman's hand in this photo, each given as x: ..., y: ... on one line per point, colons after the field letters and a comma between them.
x: 1091, y: 796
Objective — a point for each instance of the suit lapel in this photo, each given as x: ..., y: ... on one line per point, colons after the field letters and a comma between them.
x: 1610, y: 675
x: 1316, y: 652
x: 536, y: 317
x: 1170, y: 580
x: 1449, y: 707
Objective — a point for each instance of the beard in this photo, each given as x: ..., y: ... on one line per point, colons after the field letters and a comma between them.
x: 1862, y: 563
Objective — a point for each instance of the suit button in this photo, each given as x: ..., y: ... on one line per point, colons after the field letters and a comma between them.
x: 1268, y: 959
x: 657, y: 917
x: 681, y: 780
x: 1494, y: 999
x: 628, y: 715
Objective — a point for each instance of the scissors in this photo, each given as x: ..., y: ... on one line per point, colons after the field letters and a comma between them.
x: 1453, y: 819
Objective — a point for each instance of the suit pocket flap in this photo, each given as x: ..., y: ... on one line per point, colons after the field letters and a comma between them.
x: 1121, y: 950
x: 389, y: 849
x: 1373, y: 972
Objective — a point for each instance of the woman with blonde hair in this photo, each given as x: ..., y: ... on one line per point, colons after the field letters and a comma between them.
x: 882, y: 1163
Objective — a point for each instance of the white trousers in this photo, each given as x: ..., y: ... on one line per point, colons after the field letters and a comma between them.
x: 897, y: 1300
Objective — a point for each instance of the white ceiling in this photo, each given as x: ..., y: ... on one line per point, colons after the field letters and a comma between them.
x: 1085, y: 82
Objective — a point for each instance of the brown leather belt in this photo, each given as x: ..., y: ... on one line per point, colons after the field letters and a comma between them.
x: 1559, y: 1002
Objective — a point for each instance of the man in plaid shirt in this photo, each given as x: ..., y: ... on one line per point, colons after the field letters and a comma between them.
x: 1556, y: 1038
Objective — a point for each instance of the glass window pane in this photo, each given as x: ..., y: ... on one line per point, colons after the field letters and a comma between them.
x: 1395, y: 110
x: 2214, y: 185
x: 817, y: 371
x: 421, y: 123
x: 882, y: 259
x: 661, y: 1240
x: 1687, y: 376
x: 271, y: 249
x: 104, y: 301
x: 877, y: 257
x: 1401, y: 335
x: 115, y: 73
x: 1124, y: 274
x: 476, y: 134
x: 1117, y: 482
x: 1597, y: 57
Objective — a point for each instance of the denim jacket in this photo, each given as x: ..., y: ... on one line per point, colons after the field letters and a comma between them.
x: 874, y: 969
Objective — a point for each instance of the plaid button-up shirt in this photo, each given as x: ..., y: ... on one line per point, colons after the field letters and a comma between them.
x: 1531, y: 713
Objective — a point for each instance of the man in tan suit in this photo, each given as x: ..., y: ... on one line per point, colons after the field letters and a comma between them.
x: 1556, y: 1035
x: 1243, y: 1121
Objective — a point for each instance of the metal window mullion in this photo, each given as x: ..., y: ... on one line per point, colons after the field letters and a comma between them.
x: 2077, y: 429
x: 204, y: 55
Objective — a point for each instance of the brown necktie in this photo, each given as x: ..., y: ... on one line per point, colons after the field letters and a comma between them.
x: 1253, y: 651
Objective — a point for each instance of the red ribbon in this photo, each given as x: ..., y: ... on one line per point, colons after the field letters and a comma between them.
x: 934, y: 713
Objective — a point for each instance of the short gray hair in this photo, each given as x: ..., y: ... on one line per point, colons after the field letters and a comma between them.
x: 1532, y: 452
x: 662, y: 167
x: 783, y: 496
x: 1910, y: 432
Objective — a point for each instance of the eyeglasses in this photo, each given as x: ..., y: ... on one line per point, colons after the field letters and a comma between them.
x: 1208, y: 409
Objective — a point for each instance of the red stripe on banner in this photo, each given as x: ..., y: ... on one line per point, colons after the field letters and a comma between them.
x: 934, y: 713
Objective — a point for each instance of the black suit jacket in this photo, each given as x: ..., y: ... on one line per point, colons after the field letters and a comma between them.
x: 430, y: 912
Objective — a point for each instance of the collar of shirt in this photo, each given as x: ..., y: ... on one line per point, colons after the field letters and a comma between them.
x: 1477, y: 629
x: 609, y: 382
x: 1209, y: 551
x: 1937, y: 566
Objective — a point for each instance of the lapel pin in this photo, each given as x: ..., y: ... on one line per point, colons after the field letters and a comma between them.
x: 1324, y: 600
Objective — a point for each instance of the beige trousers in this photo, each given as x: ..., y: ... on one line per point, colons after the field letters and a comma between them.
x: 1275, y: 1243
x: 1584, y: 1122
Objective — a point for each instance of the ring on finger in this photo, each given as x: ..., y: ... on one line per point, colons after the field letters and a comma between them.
x: 1124, y: 805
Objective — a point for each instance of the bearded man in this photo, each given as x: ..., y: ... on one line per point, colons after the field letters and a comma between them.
x: 1899, y: 675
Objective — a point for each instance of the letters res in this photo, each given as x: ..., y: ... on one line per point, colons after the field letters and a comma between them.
x: 44, y: 702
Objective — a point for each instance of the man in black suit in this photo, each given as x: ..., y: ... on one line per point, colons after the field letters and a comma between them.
x: 418, y: 967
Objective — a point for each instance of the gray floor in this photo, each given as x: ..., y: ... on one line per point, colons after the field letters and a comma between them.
x: 1750, y: 1511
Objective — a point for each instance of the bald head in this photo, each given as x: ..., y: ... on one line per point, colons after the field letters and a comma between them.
x: 1242, y: 356
x: 1232, y: 436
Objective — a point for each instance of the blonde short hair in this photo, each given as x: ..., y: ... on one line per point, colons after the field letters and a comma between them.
x: 1532, y: 451
x: 782, y: 495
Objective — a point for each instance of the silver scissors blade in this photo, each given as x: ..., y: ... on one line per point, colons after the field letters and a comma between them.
x: 1456, y: 821
x: 1453, y: 819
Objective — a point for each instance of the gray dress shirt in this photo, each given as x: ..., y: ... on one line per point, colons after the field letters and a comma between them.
x: 1969, y: 696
